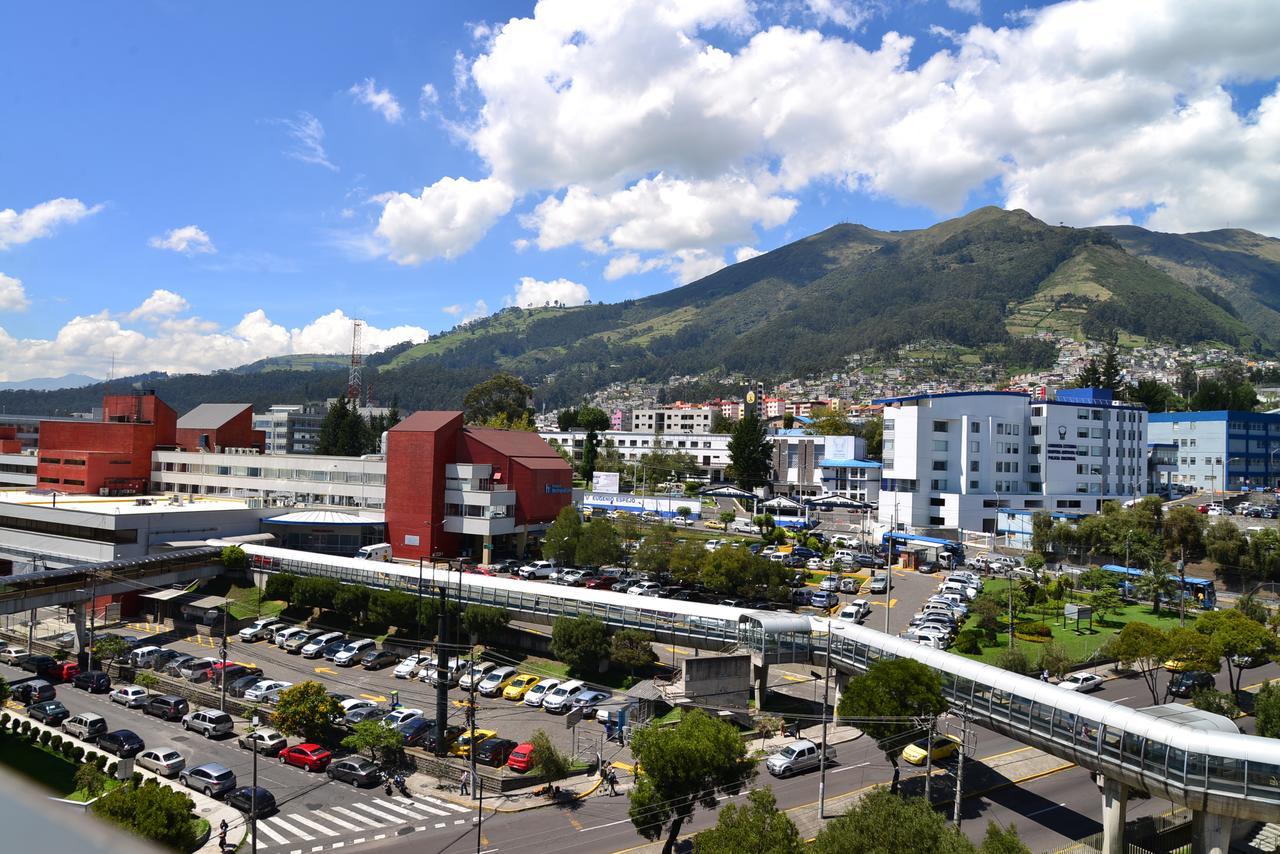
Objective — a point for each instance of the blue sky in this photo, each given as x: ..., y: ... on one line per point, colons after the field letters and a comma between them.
x: 190, y: 187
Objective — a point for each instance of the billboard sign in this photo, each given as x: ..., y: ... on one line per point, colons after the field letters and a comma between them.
x: 605, y: 481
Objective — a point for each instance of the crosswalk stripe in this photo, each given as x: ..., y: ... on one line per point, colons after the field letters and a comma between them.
x: 446, y: 804
x: 394, y: 819
x: 333, y: 818
x: 309, y: 823
x: 423, y: 807
x: 395, y: 807
x: 285, y: 826
x: 262, y: 828
x: 358, y: 817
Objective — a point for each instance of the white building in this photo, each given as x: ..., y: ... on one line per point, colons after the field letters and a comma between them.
x: 288, y: 480
x: 807, y: 466
x: 292, y: 428
x: 1238, y: 449
x: 710, y: 451
x: 953, y: 460
x: 675, y: 419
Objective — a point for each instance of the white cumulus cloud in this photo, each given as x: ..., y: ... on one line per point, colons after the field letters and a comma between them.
x: 531, y: 293
x: 13, y: 296
x: 40, y: 220
x: 188, y: 240
x: 467, y: 314
x: 444, y: 221
x: 161, y: 303
x: 380, y: 100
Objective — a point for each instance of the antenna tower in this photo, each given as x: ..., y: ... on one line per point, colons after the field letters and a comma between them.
x: 357, y: 363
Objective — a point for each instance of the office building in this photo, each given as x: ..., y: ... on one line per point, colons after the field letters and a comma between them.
x: 1238, y: 449
x: 951, y: 461
x: 292, y: 428
x: 673, y: 419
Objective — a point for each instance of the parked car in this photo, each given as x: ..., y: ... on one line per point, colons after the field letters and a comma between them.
x: 129, y: 696
x: 376, y: 659
x: 283, y: 636
x: 86, y: 727
x: 353, y: 652
x: 197, y: 669
x: 560, y: 698
x: 208, y: 722
x: 368, y: 713
x: 253, y: 801
x: 538, y: 692
x: 537, y: 569
x: 264, y: 740
x: 495, y: 752
x: 50, y: 712
x: 261, y: 629
x: 212, y: 778
x: 856, y: 611
x: 475, y: 674
x: 879, y: 582
x: 521, y: 757
x: 38, y: 664
x: 943, y: 747
x: 33, y: 691
x: 496, y: 680
x: 796, y: 757
x: 266, y: 691
x: 308, y: 757
x: 356, y: 771
x: 161, y: 659
x: 122, y: 743
x: 167, y: 707
x: 588, y: 700
x: 399, y: 716
x: 518, y: 687
x: 164, y: 761
x: 314, y: 648
x: 93, y: 681
x: 824, y: 599
x: 645, y: 588
x: 296, y: 641
x: 63, y: 671
x: 468, y: 740
x: 451, y: 734
x: 407, y: 668
x: 13, y: 655
x: 1189, y: 682
x: 239, y: 686
x: 232, y: 673
x: 1081, y: 682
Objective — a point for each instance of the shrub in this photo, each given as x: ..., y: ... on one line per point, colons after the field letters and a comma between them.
x: 112, y: 768
x: 4, y: 719
x: 1013, y: 659
x: 1217, y: 702
x: 136, y: 779
x: 56, y: 742
x: 1036, y: 630
x: 45, y: 737
x: 91, y: 756
x: 77, y: 752
x: 15, y: 724
x: 26, y: 727
x: 969, y: 641
x: 101, y: 761
x: 69, y: 749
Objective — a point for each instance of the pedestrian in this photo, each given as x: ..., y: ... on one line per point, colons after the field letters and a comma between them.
x: 222, y: 835
x: 465, y: 788
x: 611, y: 778
x: 1044, y: 675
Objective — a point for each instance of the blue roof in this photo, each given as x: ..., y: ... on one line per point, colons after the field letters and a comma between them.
x: 1055, y: 514
x: 849, y: 464
x: 1215, y: 415
x: 911, y: 397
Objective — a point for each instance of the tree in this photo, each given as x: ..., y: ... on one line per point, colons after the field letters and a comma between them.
x: 1194, y: 649
x: 233, y: 557
x: 1266, y: 708
x: 750, y: 454
x: 1225, y: 544
x: 567, y: 419
x: 654, y: 552
x: 501, y: 394
x: 379, y: 741
x: 1156, y: 583
x: 146, y: 680
x: 1144, y: 648
x: 545, y: 760
x: 153, y: 812
x: 483, y: 622
x: 1184, y: 530
x: 883, y: 699
x: 1014, y: 659
x: 883, y: 823
x: 685, y: 561
x: 5, y: 691
x: 757, y: 826
x: 683, y: 511
x: 1233, y: 634
x: 1002, y: 840
x: 580, y: 642
x: 90, y: 779
x: 1041, y: 532
x: 107, y: 648
x: 727, y: 516
x: 561, y: 540
x: 1111, y: 374
x: 1055, y: 659
x: 720, y: 424
x: 315, y: 592
x: 595, y: 422
x: 685, y: 766
x: 306, y: 710
x: 1105, y: 602
x: 352, y: 602
x: 872, y: 431
x: 598, y: 544
x: 280, y: 586
x: 1215, y: 701
x: 1152, y: 393
x: 633, y: 649
x: 824, y: 421
x: 396, y: 608
x: 1090, y: 375
x: 764, y: 522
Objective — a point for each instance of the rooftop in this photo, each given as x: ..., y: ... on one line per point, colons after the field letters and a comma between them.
x: 115, y: 506
x: 211, y: 416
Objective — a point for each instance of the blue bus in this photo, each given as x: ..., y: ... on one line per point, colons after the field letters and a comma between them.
x: 910, y: 542
x: 1199, y: 590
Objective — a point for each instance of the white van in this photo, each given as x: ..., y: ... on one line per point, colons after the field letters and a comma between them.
x: 560, y: 698
x: 143, y: 657
x: 377, y: 551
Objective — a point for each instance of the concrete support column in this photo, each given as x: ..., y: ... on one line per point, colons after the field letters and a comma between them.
x: 1115, y: 799
x: 80, y: 623
x: 1210, y: 833
x: 761, y: 683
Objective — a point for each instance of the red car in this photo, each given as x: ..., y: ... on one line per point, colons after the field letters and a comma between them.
x: 521, y: 759
x: 63, y: 671
x: 601, y: 583
x: 309, y: 757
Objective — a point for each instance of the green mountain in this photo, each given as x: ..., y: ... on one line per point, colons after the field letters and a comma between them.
x: 982, y: 280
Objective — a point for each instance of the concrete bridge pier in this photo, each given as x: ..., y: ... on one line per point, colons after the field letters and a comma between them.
x: 80, y: 623
x: 1115, y: 801
x: 760, y: 680
x: 1210, y: 833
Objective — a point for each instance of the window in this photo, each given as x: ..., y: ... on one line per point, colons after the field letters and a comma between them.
x: 975, y: 447
x: 937, y: 521
x: 1096, y: 433
x: 939, y: 426
x: 973, y: 465
x: 937, y: 501
x: 939, y: 485
x: 973, y: 484
x: 1034, y: 431
x: 975, y: 427
x: 1082, y: 432
x: 1095, y: 414
x: 1033, y: 449
x: 1082, y: 415
x: 939, y: 465
x: 940, y: 445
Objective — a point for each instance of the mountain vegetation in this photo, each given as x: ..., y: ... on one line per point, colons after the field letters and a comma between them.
x: 986, y: 280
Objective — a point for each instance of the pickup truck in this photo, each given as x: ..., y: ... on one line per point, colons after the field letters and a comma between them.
x: 796, y: 757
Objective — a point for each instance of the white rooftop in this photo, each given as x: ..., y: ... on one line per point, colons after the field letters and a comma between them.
x: 118, y: 505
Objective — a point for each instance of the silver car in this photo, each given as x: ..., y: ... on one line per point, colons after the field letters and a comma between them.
x: 264, y: 740
x: 164, y: 761
x: 211, y: 778
x: 208, y: 722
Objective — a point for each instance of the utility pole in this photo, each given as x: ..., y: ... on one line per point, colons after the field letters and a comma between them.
x: 442, y: 671
x: 93, y: 602
x: 1182, y: 591
x: 822, y: 748
x: 222, y: 701
x: 1010, y: 588
x: 479, y: 786
x: 964, y: 743
x: 928, y: 764
x: 471, y: 711
x: 253, y: 796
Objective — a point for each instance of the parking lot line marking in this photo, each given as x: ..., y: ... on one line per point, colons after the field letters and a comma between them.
x: 464, y: 821
x: 318, y: 848
x: 380, y: 836
x: 357, y: 816
x: 439, y: 825
x: 577, y: 825
x: 333, y: 818
x: 263, y: 828
x: 791, y: 677
x: 337, y: 845
x: 396, y: 807
x: 358, y: 841
x: 417, y: 805
x: 289, y: 828
x: 377, y: 698
x: 326, y: 670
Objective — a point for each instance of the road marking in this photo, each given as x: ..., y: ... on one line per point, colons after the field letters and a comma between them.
x: 431, y: 810
x: 337, y: 845
x: 380, y: 836
x: 447, y: 804
x: 377, y: 698
x: 577, y: 825
x: 263, y: 828
x: 397, y: 808
x: 678, y: 650
x: 326, y: 670
x: 359, y: 841
x: 393, y: 819
x: 284, y: 825
x: 439, y: 825
x: 848, y: 767
x: 791, y: 677
x: 333, y: 818
x: 357, y: 816
x: 1044, y: 809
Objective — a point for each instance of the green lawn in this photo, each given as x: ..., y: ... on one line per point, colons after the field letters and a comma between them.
x: 82, y: 795
x: 246, y: 599
x: 1082, y: 645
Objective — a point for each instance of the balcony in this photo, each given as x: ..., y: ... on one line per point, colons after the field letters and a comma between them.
x: 491, y: 526
x: 480, y: 497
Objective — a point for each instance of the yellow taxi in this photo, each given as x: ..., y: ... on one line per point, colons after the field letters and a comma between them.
x: 520, y: 686
x: 1177, y: 665
x: 469, y: 739
x: 944, y: 746
x: 713, y: 524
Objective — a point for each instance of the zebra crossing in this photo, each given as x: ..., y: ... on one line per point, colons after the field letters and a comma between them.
x: 314, y: 830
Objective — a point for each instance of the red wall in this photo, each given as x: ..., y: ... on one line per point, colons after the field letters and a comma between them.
x: 112, y: 455
x: 533, y: 504
x: 236, y: 433
x: 416, y: 458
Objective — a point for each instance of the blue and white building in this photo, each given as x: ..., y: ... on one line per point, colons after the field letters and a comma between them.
x: 953, y: 461
x: 1238, y: 449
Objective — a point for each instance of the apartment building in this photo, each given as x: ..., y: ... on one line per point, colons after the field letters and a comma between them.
x: 673, y: 419
x: 710, y: 451
x: 291, y: 428
x: 954, y: 460
x: 1213, y: 448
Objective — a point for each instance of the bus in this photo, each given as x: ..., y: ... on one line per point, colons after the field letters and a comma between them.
x: 1198, y: 590
x: 899, y: 542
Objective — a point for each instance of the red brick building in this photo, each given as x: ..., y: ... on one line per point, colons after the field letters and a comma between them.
x: 215, y: 427
x: 9, y: 441
x: 453, y: 489
x: 88, y: 457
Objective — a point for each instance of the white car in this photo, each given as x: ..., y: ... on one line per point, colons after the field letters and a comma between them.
x: 351, y: 653
x: 293, y: 631
x: 743, y: 526
x: 266, y: 692
x: 645, y: 588
x: 475, y: 674
x: 13, y: 655
x: 314, y: 647
x: 399, y: 716
x: 1082, y: 682
x: 260, y: 629
x: 164, y: 761
x: 129, y: 696
x: 408, y: 668
x: 355, y: 703
x: 539, y: 691
x: 537, y: 569
x: 856, y: 611
x: 682, y: 521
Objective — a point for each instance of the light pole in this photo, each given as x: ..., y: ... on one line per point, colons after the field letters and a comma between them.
x: 1275, y: 482
x: 1226, y: 464
x: 822, y: 748
x: 222, y: 701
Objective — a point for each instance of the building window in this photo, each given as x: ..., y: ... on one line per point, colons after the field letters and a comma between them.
x: 938, y: 485
x: 940, y: 446
x: 973, y: 465
x: 939, y: 465
x: 937, y: 521
x: 939, y: 426
x: 937, y: 501
x: 975, y: 427
x: 1082, y: 432
x: 973, y: 484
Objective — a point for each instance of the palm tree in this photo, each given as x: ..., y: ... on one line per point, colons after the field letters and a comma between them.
x: 1156, y: 582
